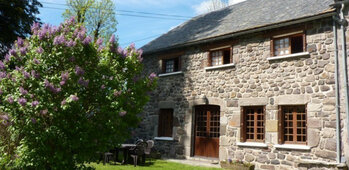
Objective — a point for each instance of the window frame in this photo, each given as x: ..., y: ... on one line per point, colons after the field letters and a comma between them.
x: 165, y: 122
x: 226, y: 48
x: 164, y: 64
x: 281, y: 125
x: 243, y: 125
x: 289, y: 36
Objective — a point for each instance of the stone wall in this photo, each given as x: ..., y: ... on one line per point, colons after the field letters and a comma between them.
x: 254, y: 80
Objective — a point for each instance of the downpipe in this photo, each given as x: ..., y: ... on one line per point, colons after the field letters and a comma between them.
x: 338, y: 129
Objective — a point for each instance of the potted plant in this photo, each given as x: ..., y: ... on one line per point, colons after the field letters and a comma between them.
x: 236, y: 165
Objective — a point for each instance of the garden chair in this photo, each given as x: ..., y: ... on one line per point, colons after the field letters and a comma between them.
x: 147, y: 150
x: 137, y: 152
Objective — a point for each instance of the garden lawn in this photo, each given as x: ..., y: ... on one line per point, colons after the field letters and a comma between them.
x: 155, y: 164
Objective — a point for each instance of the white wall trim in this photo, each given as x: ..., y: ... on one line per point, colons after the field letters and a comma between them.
x: 292, y: 147
x: 220, y: 66
x: 288, y: 56
x: 170, y: 74
x: 252, y: 144
x: 164, y: 138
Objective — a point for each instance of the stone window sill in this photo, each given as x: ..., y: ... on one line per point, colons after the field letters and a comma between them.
x: 252, y: 144
x: 219, y: 67
x: 170, y: 74
x: 164, y: 138
x: 288, y: 56
x: 293, y: 147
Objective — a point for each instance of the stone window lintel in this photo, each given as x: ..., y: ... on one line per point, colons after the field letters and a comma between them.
x: 288, y: 56
x: 220, y: 66
x: 252, y: 144
x: 170, y: 74
x: 164, y: 138
x: 292, y: 147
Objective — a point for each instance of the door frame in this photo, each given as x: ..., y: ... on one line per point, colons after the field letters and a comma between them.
x: 193, y: 136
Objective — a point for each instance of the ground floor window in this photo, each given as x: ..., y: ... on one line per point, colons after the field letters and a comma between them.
x: 292, y: 124
x: 252, y: 124
x: 165, y: 125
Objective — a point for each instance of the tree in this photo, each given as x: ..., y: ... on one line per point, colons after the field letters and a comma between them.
x: 97, y: 15
x: 16, y: 17
x: 69, y: 98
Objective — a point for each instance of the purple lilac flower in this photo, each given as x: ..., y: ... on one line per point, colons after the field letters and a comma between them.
x: 7, y: 58
x: 46, y: 26
x: 13, y: 52
x: 83, y: 82
x: 31, y: 96
x: 79, y: 71
x: 71, y: 21
x: 23, y: 51
x: 59, y: 40
x: 103, y: 86
x: 63, y: 102
x: 5, y: 117
x: 34, y: 74
x: 51, y: 87
x: 87, y: 40
x: 123, y: 113
x: 132, y: 46
x: 36, y: 61
x: 112, y: 39
x: 70, y: 43
x: 20, y: 42
x: 22, y: 101
x: 99, y: 42
x: 23, y: 91
x: 100, y: 48
x: 35, y: 103
x: 26, y: 74
x: 2, y: 74
x: 44, y: 112
x: 40, y: 50
x: 152, y: 76
x: 140, y: 58
x: 35, y: 27
x: 81, y: 35
x: 117, y: 93
x: 74, y: 97
x: 52, y: 31
x: 33, y: 120
x: 42, y: 34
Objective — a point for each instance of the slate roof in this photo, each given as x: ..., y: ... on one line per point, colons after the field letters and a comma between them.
x: 246, y: 15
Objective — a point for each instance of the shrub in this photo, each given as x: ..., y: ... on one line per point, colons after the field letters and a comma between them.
x: 67, y: 98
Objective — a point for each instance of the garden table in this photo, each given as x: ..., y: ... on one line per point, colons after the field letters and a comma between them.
x: 125, y: 148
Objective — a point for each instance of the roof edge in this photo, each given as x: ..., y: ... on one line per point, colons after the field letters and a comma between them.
x: 246, y: 31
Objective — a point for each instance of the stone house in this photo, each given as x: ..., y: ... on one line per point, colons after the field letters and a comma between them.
x: 260, y: 81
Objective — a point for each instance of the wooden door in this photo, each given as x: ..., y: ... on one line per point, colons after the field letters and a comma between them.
x: 207, y: 124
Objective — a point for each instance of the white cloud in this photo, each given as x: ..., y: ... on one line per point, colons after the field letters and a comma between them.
x: 212, y: 5
x: 232, y: 2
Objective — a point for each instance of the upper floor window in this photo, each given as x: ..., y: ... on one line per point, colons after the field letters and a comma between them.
x: 171, y: 65
x: 252, y: 124
x: 220, y: 57
x: 288, y: 44
x: 292, y: 124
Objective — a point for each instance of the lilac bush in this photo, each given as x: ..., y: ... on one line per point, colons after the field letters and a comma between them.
x: 66, y: 98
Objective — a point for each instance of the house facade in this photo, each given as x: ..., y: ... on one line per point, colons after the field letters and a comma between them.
x: 257, y: 82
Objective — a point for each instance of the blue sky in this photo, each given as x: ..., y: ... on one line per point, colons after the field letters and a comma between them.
x: 139, y: 30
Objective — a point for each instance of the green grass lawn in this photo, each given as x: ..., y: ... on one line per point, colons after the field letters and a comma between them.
x: 155, y: 164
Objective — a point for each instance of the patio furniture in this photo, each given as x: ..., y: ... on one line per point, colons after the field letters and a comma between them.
x: 125, y: 149
x: 137, y: 152
x: 147, y: 150
x: 107, y: 157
